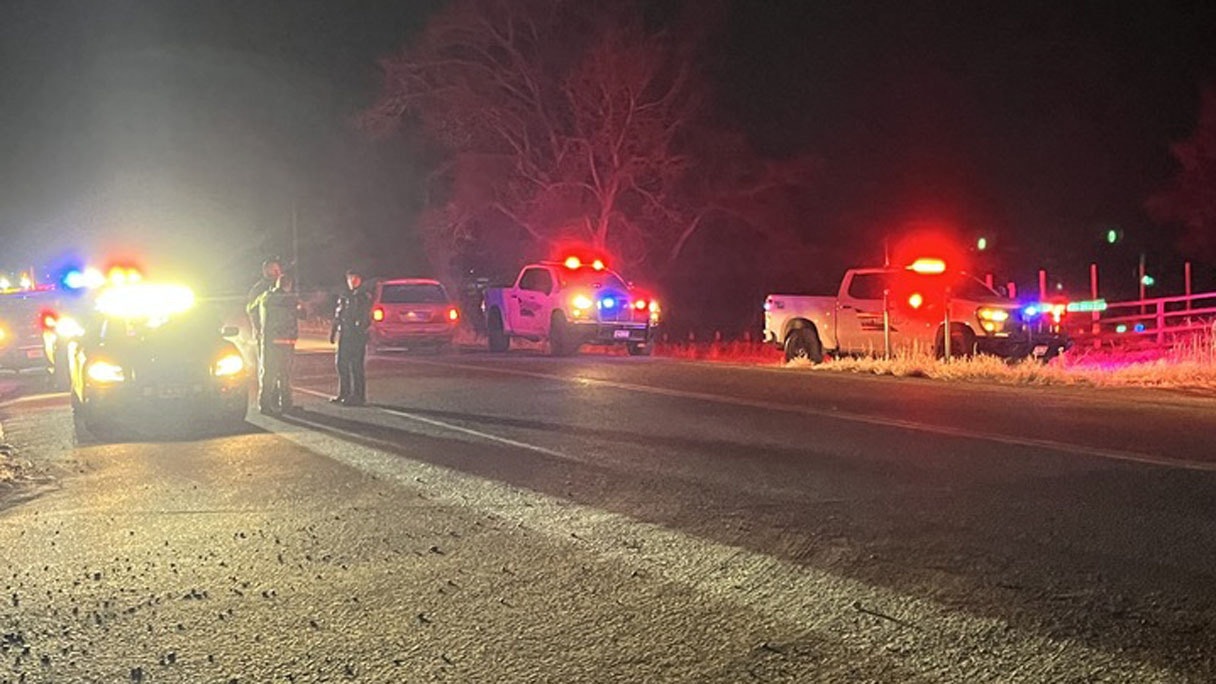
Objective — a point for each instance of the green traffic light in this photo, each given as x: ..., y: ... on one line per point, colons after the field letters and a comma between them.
x: 1112, y: 236
x: 981, y: 244
x: 1148, y: 280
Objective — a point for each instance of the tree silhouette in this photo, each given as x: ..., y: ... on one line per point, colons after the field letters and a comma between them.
x: 563, y: 121
x: 1190, y: 198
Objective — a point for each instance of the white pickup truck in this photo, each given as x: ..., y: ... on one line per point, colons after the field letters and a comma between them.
x: 569, y: 304
x: 851, y: 323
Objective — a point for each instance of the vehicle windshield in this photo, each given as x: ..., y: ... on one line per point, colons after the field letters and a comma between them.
x: 970, y: 288
x: 588, y: 277
x: 197, y: 324
x: 413, y: 293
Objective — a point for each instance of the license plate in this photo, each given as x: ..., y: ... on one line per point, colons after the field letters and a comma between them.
x: 173, y: 392
x: 33, y: 353
x: 620, y: 334
x: 1040, y: 350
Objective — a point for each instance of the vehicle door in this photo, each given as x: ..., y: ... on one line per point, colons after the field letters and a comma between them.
x: 859, y: 319
x: 530, y: 301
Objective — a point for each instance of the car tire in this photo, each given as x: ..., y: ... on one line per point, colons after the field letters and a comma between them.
x: 804, y: 343
x: 87, y: 426
x: 639, y: 348
x: 496, y: 334
x: 561, y: 337
x: 962, y: 342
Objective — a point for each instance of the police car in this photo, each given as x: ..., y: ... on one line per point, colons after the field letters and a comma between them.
x: 570, y: 303
x: 151, y: 355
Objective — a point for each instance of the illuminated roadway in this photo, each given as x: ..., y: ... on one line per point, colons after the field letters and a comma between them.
x: 523, y: 518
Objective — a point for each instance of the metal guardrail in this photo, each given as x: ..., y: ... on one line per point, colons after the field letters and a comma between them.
x: 1160, y: 320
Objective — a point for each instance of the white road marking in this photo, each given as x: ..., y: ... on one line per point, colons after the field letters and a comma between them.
x: 457, y: 428
x: 803, y: 598
x: 1052, y: 445
x: 32, y: 398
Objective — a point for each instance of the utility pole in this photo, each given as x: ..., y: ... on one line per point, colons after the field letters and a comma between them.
x: 1093, y: 292
x: 295, y: 243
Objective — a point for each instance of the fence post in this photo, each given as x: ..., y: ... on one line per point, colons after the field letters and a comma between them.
x: 1096, y: 329
x: 1160, y: 322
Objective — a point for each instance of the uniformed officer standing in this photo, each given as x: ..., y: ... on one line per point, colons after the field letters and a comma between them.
x: 352, y: 321
x: 278, y: 318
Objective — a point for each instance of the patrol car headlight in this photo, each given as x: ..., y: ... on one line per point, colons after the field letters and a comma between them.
x: 106, y: 373
x: 229, y: 365
x: 581, y: 302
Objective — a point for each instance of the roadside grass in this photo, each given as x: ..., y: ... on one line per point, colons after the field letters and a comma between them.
x: 1188, y: 364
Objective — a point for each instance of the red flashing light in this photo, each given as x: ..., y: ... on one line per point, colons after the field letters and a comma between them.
x: 48, y: 321
x: 378, y: 314
x: 453, y: 315
x: 573, y: 262
x: 640, y: 304
x: 916, y: 300
x: 927, y: 266
x: 598, y: 264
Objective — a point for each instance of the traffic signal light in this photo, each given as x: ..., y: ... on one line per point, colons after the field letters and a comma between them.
x: 1113, y: 235
x: 981, y: 244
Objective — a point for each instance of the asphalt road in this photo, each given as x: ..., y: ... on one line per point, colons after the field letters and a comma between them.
x: 523, y: 518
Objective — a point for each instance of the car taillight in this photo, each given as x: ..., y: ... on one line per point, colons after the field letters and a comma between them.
x: 640, y: 304
x: 453, y: 315
x: 378, y: 313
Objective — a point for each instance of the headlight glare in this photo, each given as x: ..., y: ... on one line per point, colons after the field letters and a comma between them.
x: 996, y: 315
x: 581, y: 302
x: 67, y: 327
x: 229, y: 365
x: 104, y: 372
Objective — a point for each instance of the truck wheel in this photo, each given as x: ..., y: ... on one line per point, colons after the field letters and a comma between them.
x: 639, y: 348
x: 962, y: 342
x: 561, y: 337
x: 804, y: 343
x: 495, y: 334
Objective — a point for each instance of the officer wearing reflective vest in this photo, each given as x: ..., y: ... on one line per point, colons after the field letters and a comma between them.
x: 279, y: 314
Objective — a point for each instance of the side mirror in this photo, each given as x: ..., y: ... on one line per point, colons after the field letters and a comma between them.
x: 230, y: 331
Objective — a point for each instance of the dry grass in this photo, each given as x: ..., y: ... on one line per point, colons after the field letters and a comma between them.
x: 1190, y: 364
x: 728, y: 352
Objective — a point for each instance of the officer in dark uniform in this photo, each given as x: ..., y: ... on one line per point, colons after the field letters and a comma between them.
x: 352, y: 322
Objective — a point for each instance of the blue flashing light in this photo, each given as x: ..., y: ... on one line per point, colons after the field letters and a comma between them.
x: 608, y: 302
x: 1139, y: 327
x: 1031, y: 311
x: 73, y: 280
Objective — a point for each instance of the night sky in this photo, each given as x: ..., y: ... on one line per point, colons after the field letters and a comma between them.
x: 185, y: 131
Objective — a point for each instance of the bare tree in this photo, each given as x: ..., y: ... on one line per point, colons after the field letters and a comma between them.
x: 564, y: 121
